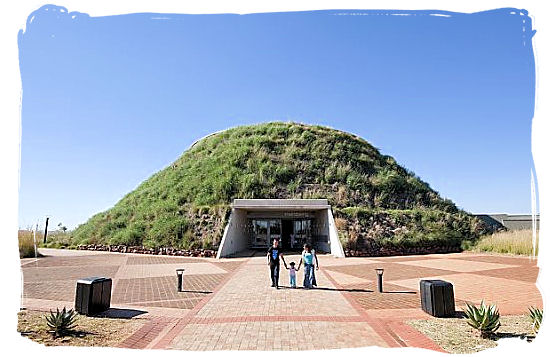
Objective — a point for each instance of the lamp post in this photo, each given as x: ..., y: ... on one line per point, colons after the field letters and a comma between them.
x: 180, y: 279
x: 46, y: 229
x: 379, y: 272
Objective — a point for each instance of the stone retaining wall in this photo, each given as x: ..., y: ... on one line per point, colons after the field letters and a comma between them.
x: 386, y: 251
x: 153, y: 251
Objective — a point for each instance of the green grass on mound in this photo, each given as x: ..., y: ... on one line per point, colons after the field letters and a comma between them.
x: 187, y: 204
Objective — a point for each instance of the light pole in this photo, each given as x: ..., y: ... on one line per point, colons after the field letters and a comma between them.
x: 179, y: 272
x: 46, y: 229
x: 379, y: 273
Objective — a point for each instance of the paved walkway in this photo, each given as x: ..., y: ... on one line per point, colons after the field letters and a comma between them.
x: 228, y: 304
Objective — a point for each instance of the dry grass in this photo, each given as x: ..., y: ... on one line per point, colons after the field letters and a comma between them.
x: 90, y: 331
x: 26, y: 243
x: 454, y: 335
x: 511, y: 242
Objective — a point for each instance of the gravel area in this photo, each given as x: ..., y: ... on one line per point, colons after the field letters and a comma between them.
x: 454, y: 335
x: 89, y: 331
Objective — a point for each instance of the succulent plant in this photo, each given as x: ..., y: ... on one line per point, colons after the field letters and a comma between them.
x: 485, y: 318
x: 535, y: 314
x: 61, y: 322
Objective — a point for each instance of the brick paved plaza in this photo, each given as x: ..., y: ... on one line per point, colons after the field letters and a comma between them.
x: 228, y: 303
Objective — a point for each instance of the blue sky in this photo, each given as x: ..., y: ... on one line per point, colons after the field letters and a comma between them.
x: 109, y: 101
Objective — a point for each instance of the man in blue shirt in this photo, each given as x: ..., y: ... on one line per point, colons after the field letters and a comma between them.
x: 273, y: 255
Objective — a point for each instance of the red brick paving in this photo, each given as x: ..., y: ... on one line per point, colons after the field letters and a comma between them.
x: 392, y: 336
x: 186, y: 304
x: 146, y: 334
x: 410, y: 337
x: 158, y: 291
x: 72, y: 273
x: 527, y: 273
x: 499, y: 259
x: 172, y: 333
x: 139, y: 260
x: 405, y: 258
x: 381, y: 316
x: 228, y: 266
x: 393, y: 297
x: 210, y: 320
x: 63, y: 290
x: 74, y: 261
x: 392, y: 271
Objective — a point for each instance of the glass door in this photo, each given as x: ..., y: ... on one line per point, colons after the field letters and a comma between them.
x: 302, y: 232
x: 275, y: 231
x: 264, y: 231
x: 261, y: 228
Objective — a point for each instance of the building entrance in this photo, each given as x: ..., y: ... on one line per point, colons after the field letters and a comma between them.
x: 254, y: 223
x: 292, y: 233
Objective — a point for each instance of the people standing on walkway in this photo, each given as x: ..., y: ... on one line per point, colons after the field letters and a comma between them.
x: 292, y: 274
x: 274, y: 254
x: 309, y: 258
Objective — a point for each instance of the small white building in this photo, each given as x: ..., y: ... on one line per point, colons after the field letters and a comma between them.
x: 254, y: 223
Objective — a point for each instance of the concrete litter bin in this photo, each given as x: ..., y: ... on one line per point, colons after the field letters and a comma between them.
x: 93, y: 295
x: 437, y: 298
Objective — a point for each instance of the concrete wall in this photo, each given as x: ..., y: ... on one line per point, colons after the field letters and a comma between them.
x: 321, y: 232
x: 327, y: 228
x: 234, y: 238
x: 336, y: 248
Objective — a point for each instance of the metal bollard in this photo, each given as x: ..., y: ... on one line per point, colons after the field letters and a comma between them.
x: 379, y: 272
x: 180, y: 279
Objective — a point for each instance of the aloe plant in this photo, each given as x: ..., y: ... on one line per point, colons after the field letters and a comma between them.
x: 535, y: 314
x: 485, y: 318
x: 61, y: 322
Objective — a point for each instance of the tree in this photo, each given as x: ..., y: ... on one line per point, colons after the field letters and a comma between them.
x: 62, y: 227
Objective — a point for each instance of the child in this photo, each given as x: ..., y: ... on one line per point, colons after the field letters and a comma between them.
x: 292, y: 274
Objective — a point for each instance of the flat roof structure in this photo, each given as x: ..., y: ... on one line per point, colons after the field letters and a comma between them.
x: 281, y: 204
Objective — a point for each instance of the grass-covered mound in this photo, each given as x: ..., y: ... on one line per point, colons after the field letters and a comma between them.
x: 186, y: 205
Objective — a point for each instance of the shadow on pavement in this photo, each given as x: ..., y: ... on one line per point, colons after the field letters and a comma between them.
x: 196, y: 291
x: 330, y: 289
x: 399, y: 292
x: 115, y: 313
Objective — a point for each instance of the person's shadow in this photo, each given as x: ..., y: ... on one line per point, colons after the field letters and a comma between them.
x: 330, y: 289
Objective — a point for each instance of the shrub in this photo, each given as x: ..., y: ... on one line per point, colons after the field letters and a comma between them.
x: 485, y: 318
x: 535, y: 314
x: 61, y: 322
x: 57, y: 239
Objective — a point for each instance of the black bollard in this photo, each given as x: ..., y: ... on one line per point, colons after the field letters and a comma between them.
x: 379, y: 272
x: 180, y: 279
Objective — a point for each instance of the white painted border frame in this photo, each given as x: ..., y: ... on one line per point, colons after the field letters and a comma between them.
x: 14, y: 18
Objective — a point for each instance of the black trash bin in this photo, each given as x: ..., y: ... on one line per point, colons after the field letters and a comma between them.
x: 437, y: 298
x: 93, y: 295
